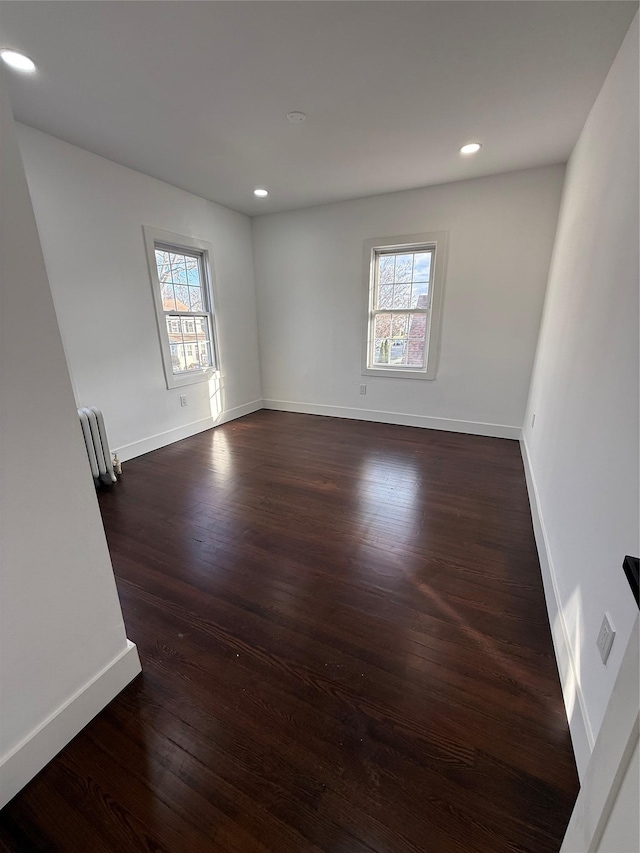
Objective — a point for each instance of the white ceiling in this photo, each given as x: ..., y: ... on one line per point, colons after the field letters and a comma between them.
x: 196, y: 93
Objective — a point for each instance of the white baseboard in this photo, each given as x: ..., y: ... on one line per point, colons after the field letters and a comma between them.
x: 154, y: 442
x: 29, y: 757
x: 449, y: 425
x: 579, y: 723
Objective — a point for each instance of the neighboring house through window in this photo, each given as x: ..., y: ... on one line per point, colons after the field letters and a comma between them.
x: 404, y: 279
x: 182, y: 281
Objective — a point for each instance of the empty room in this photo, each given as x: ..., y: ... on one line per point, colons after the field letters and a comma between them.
x: 319, y: 426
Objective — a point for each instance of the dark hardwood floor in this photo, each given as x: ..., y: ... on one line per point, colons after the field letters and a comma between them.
x: 345, y: 648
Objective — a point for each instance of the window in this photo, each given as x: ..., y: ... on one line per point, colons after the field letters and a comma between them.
x: 181, y: 278
x: 404, y: 279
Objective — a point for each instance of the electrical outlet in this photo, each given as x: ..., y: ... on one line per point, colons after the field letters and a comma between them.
x: 183, y: 400
x: 533, y: 420
x: 363, y: 389
x: 605, y: 638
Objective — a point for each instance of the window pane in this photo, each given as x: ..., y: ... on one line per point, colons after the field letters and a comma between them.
x: 419, y: 294
x: 203, y: 353
x: 202, y: 328
x: 178, y: 360
x: 404, y: 267
x: 182, y: 297
x: 402, y: 295
x: 195, y: 299
x: 400, y: 325
x: 381, y: 349
x: 418, y: 326
x: 382, y: 328
x: 385, y: 296
x: 193, y: 270
x: 421, y: 266
x: 163, y: 266
x: 188, y: 328
x: 386, y: 267
x: 398, y: 343
x: 398, y: 353
x: 415, y: 353
x: 173, y: 330
x: 178, y: 272
x: 168, y: 298
x: 417, y: 336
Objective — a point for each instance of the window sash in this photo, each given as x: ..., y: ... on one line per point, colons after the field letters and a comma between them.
x: 174, y: 249
x: 376, y: 365
x: 375, y: 250
x: 202, y: 315
x: 191, y: 249
x: 414, y: 249
x: 374, y: 290
x: 188, y: 313
x: 375, y: 311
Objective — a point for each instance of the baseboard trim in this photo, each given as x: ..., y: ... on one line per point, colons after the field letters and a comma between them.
x: 34, y: 752
x: 577, y: 715
x: 162, y: 439
x: 447, y: 424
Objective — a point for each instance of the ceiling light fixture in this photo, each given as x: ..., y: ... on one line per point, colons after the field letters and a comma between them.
x: 296, y: 117
x: 471, y: 148
x: 17, y: 60
x: 261, y: 192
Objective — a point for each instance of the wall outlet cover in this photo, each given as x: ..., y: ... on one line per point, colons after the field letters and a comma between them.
x: 605, y: 638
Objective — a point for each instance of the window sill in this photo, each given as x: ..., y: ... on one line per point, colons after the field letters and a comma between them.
x: 390, y: 373
x: 195, y: 377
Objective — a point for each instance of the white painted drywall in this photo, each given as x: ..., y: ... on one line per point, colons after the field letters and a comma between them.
x: 583, y: 449
x: 60, y: 619
x: 90, y: 214
x: 605, y: 814
x: 311, y: 304
x: 622, y: 832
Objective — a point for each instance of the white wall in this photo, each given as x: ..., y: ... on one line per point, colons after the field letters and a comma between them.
x: 621, y: 832
x: 583, y: 451
x: 311, y: 303
x: 605, y: 814
x: 90, y: 214
x: 63, y: 649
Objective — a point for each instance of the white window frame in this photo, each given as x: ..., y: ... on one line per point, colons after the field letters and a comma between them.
x: 157, y: 238
x: 435, y: 242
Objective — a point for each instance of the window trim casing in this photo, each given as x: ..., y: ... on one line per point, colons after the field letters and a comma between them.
x: 153, y: 236
x: 435, y: 241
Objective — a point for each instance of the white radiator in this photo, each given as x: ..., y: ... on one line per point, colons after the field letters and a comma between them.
x: 95, y: 439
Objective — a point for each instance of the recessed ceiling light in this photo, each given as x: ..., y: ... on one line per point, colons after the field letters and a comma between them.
x: 17, y: 60
x: 296, y: 117
x: 471, y: 148
x: 261, y: 192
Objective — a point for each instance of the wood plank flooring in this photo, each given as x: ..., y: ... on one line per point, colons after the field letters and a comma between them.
x: 345, y: 649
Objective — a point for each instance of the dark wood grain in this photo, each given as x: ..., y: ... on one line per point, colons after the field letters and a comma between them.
x: 345, y: 649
